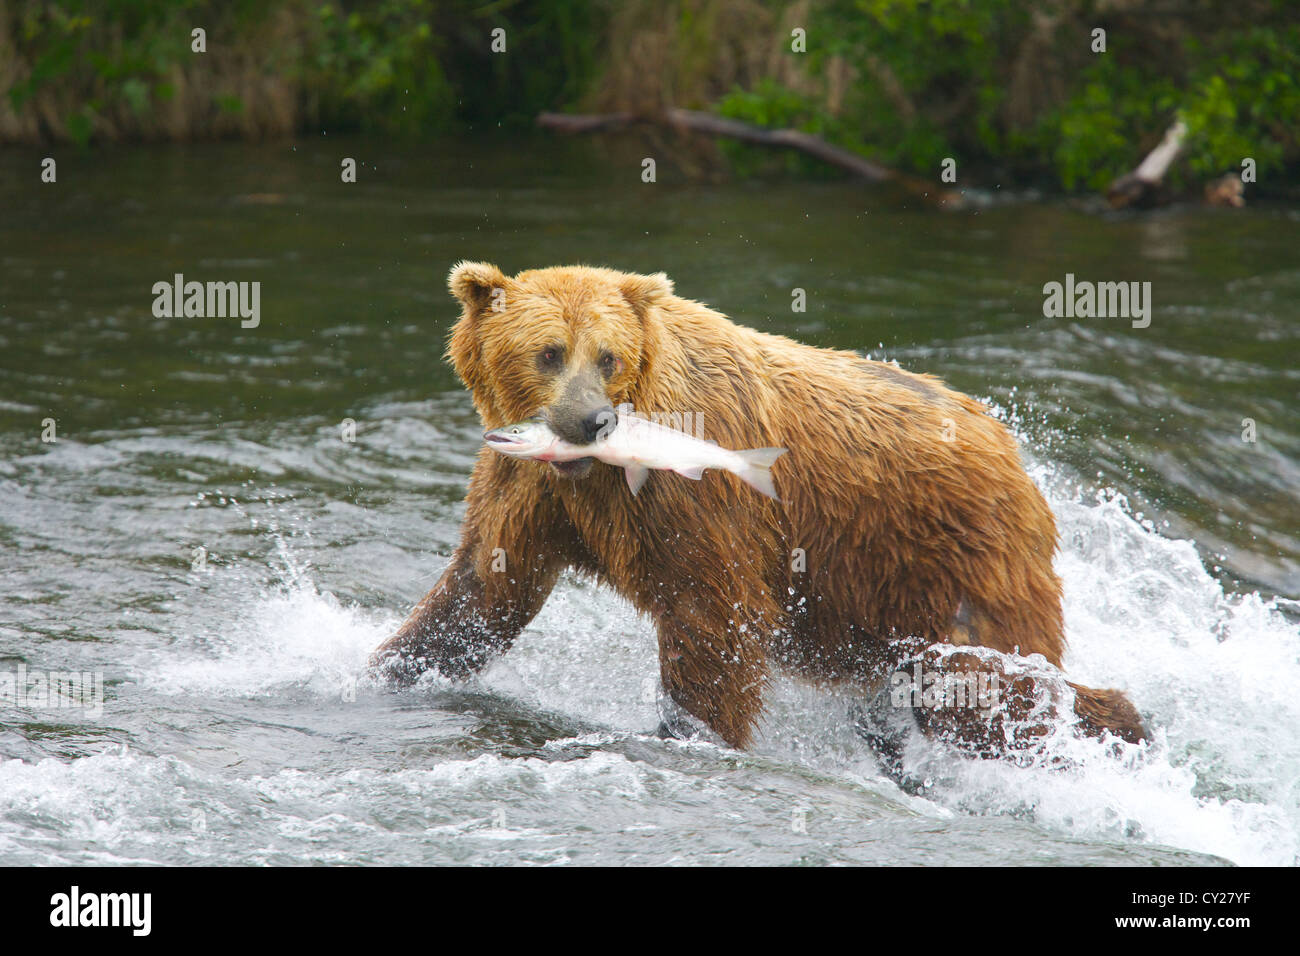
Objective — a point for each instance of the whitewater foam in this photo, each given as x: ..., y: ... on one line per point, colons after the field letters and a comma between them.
x: 1211, y: 671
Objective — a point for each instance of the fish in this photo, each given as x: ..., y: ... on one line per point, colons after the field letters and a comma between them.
x: 638, y: 446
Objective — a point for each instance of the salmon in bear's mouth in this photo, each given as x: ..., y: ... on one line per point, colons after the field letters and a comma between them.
x: 573, y: 469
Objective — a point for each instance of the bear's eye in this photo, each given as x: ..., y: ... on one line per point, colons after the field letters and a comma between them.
x: 610, y: 364
x: 550, y: 357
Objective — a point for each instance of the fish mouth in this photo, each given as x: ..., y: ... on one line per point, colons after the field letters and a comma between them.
x: 494, y: 437
x: 577, y: 468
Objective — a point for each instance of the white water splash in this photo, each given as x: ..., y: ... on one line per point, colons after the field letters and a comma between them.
x: 1212, y: 673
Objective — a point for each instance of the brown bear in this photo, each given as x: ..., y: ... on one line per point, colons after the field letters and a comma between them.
x: 905, y: 520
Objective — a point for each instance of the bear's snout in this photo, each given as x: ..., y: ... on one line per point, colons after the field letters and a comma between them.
x: 599, y: 423
x: 583, y: 413
x: 580, y: 426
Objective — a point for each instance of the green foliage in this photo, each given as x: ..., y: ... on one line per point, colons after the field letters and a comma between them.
x: 115, y: 58
x: 1243, y: 100
x: 378, y: 67
x: 970, y: 79
x: 424, y: 66
x: 1102, y: 130
x: 1238, y: 96
x: 553, y: 49
x: 917, y: 62
x: 404, y: 67
x: 774, y: 106
x: 1007, y: 84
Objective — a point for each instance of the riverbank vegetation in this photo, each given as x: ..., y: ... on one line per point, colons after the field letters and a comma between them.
x: 1022, y: 91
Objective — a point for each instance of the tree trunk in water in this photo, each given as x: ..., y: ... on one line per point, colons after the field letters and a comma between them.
x: 1139, y: 187
x: 711, y: 125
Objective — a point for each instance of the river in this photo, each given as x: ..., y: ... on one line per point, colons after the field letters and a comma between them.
x: 200, y: 534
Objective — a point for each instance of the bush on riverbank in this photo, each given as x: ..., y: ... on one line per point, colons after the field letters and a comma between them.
x: 88, y: 70
x: 1014, y: 87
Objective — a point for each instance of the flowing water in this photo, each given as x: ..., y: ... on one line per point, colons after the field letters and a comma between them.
x: 238, y: 725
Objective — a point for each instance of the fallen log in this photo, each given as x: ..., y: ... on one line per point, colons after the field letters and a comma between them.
x: 588, y: 123
x: 710, y: 125
x: 782, y: 138
x: 1142, y: 184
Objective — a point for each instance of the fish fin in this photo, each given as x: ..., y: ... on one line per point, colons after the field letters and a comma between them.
x: 757, y: 472
x: 695, y: 474
x: 636, y: 476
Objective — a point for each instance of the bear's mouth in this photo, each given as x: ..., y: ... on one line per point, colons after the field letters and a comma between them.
x: 574, y: 469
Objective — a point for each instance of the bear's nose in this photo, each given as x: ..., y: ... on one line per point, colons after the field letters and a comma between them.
x: 599, y: 423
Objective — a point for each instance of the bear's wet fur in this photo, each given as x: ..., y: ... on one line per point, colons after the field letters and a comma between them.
x: 906, y: 519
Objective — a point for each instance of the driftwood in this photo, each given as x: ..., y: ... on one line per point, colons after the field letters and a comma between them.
x: 710, y: 125
x: 1142, y: 184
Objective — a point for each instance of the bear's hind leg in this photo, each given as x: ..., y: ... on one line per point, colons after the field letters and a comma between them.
x: 988, y: 706
x: 1107, y: 710
x: 971, y: 701
x: 1098, y: 710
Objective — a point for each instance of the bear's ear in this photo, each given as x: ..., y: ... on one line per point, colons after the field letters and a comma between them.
x: 474, y: 283
x: 644, y: 291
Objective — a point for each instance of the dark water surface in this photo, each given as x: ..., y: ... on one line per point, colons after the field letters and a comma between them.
x: 238, y: 726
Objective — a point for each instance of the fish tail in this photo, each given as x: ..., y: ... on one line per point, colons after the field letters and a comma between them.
x: 757, y: 470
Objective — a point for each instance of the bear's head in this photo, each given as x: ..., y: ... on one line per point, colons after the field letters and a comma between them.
x: 568, y: 343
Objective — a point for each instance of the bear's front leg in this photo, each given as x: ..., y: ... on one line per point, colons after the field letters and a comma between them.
x: 515, y: 540
x: 461, y: 624
x: 713, y: 665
